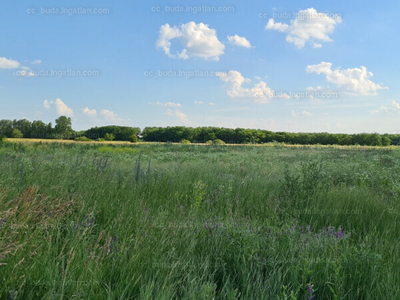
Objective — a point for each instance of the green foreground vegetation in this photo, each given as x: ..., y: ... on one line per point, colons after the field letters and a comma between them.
x: 89, y: 221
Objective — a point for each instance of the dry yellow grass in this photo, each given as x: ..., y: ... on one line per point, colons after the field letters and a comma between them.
x: 27, y: 140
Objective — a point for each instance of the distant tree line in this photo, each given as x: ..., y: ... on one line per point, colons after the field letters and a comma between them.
x: 63, y: 130
x: 257, y: 136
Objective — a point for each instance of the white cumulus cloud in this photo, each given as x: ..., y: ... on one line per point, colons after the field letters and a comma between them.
x: 89, y: 112
x: 239, y: 41
x: 8, y: 63
x: 61, y: 108
x: 353, y: 81
x: 108, y: 114
x: 308, y: 26
x: 259, y: 93
x: 197, y: 40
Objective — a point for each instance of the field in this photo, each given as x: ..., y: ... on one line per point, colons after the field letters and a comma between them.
x: 168, y: 221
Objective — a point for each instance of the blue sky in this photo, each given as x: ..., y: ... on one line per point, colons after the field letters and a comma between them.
x: 299, y: 66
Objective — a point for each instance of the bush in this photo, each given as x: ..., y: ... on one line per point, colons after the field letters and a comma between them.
x: 100, y: 140
x: 17, y: 134
x: 185, y: 141
x: 134, y: 138
x: 109, y: 136
x: 218, y: 142
x: 209, y: 142
x: 2, y: 137
x: 82, y: 139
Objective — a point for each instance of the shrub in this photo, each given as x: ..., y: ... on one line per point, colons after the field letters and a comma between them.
x: 2, y: 137
x: 109, y: 136
x: 209, y: 142
x: 16, y: 133
x: 185, y: 141
x: 82, y: 139
x: 218, y: 142
x: 100, y: 140
x: 134, y: 138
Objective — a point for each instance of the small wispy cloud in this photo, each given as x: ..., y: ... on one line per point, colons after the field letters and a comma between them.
x: 170, y: 104
x: 394, y: 107
x: 178, y: 114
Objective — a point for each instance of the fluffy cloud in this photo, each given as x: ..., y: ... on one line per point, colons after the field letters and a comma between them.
x: 260, y: 92
x: 36, y: 62
x: 308, y: 26
x: 61, y: 108
x: 176, y: 113
x: 89, y: 112
x: 197, y: 40
x: 304, y: 113
x: 394, y: 107
x: 8, y: 63
x: 170, y: 104
x: 46, y: 104
x: 239, y: 41
x: 354, y: 81
x: 198, y: 102
x: 108, y: 114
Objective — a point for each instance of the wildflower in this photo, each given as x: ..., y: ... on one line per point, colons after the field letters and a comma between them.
x: 310, y: 292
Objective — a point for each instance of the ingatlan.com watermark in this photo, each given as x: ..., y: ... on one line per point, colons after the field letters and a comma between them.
x: 58, y: 73
x: 194, y: 9
x: 314, y: 95
x: 69, y: 11
x: 184, y: 73
x: 302, y: 15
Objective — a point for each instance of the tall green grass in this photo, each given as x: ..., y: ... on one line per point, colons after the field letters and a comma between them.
x: 198, y: 222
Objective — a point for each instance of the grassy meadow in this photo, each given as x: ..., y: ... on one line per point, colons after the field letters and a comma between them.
x: 170, y: 221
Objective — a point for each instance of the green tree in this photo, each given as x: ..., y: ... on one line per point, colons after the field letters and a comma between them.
x: 49, y: 131
x: 24, y: 126
x: 134, y: 138
x: 17, y: 134
x: 63, y: 127
x: 211, y: 136
x: 386, y: 141
x: 109, y: 136
x: 38, y: 129
x: 6, y: 127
